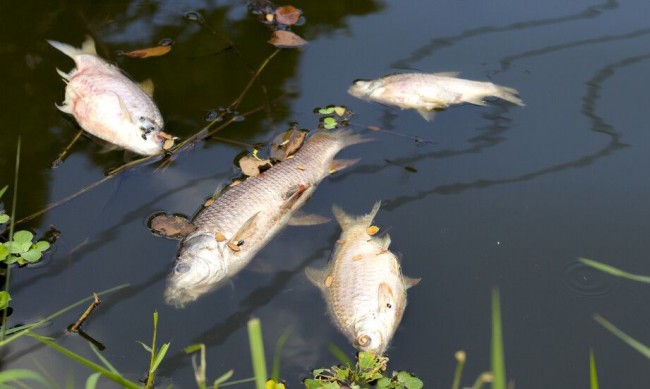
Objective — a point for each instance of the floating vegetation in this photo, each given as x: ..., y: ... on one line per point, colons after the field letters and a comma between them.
x: 156, y: 51
x: 279, y: 20
x: 333, y: 116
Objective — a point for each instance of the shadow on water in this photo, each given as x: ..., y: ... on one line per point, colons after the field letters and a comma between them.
x: 439, y: 43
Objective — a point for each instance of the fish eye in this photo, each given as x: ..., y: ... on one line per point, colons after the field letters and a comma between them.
x: 182, y: 268
x: 388, y: 306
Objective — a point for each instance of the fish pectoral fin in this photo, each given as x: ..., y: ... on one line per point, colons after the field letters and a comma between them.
x: 340, y: 164
x: 446, y: 74
x: 383, y: 241
x: 386, y: 298
x: 65, y: 76
x: 317, y: 276
x: 89, y: 46
x: 293, y: 195
x: 477, y: 101
x: 63, y: 108
x: 147, y: 86
x: 307, y: 219
x: 245, y: 231
x: 410, y: 281
x: 428, y: 115
x: 123, y: 108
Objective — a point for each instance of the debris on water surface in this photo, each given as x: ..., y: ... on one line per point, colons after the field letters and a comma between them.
x: 170, y: 226
x: 286, y: 39
x: 286, y: 144
x: 288, y: 14
x: 156, y: 51
x: 253, y: 166
x: 372, y: 230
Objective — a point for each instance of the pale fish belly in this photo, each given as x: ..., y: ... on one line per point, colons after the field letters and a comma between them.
x: 112, y: 108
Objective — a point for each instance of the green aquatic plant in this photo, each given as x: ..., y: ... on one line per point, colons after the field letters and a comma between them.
x: 333, y: 116
x: 615, y: 271
x: 370, y: 369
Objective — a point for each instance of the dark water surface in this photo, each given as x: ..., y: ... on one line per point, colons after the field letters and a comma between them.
x: 506, y: 196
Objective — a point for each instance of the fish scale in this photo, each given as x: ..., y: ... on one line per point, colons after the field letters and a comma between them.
x: 249, y: 215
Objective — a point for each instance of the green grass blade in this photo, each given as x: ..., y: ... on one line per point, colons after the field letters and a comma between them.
x: 89, y: 364
x: 593, y: 376
x: 159, y: 357
x: 275, y: 370
x: 615, y: 271
x: 498, y: 362
x: 105, y: 361
x: 635, y: 344
x: 257, y: 352
x: 339, y: 354
x: 21, y: 374
x: 3, y: 190
x: 221, y: 380
x: 237, y: 382
x: 25, y: 329
x: 91, y: 382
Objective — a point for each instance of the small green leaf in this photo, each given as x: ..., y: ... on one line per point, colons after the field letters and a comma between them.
x: 18, y: 375
x: 193, y: 348
x: 342, y: 374
x: 4, y: 251
x: 14, y: 248
x: 4, y: 299
x: 326, y: 111
x: 224, y: 377
x: 31, y: 255
x: 145, y: 346
x: 23, y: 236
x: 3, y: 190
x: 11, y: 259
x: 366, y: 360
x: 383, y: 382
x: 25, y: 246
x: 159, y: 357
x: 42, y: 245
x: 91, y: 382
x: 4, y: 218
x: 409, y: 381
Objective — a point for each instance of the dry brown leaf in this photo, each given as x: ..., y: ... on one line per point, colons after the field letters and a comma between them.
x: 149, y: 52
x: 234, y: 246
x: 252, y: 167
x: 286, y: 144
x: 328, y: 281
x: 269, y: 17
x: 235, y: 183
x: 340, y: 110
x: 372, y: 230
x: 286, y: 39
x: 209, y: 202
x: 169, y: 143
x: 300, y: 167
x: 219, y: 237
x: 287, y: 14
x: 171, y: 226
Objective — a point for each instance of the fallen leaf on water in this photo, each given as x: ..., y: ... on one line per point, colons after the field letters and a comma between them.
x: 219, y: 237
x: 209, y: 202
x: 286, y: 144
x: 372, y: 230
x: 234, y: 246
x: 149, y: 52
x: 169, y: 143
x: 171, y: 226
x: 340, y: 110
x: 253, y: 167
x: 288, y: 14
x: 286, y: 39
x: 235, y: 183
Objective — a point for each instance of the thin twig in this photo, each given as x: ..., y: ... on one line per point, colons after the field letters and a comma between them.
x: 85, y: 315
x: 65, y: 151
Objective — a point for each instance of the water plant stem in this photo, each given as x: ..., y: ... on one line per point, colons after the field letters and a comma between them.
x: 84, y: 316
x: 461, y: 357
x: 65, y: 151
x: 593, y: 376
x: 257, y: 352
x: 498, y: 363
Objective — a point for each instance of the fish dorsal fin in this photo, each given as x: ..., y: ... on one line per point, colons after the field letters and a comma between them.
x: 410, y: 281
x: 64, y: 75
x: 427, y: 114
x: 447, y: 74
x: 88, y: 46
x: 341, y: 164
x: 305, y: 219
x: 125, y: 110
x: 147, y: 86
x: 345, y: 220
x: 246, y: 230
x: 317, y: 276
x: 386, y: 298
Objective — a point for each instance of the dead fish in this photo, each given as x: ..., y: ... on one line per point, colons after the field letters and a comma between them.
x: 363, y: 284
x: 245, y: 217
x: 429, y: 92
x: 107, y: 104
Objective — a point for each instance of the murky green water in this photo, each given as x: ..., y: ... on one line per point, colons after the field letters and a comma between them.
x: 506, y: 196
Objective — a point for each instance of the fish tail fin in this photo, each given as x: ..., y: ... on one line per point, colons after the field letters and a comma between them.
x: 346, y: 221
x: 508, y: 94
x: 88, y: 47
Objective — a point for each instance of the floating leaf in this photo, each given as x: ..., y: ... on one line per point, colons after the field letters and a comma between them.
x: 288, y: 14
x: 372, y: 230
x: 171, y: 226
x: 340, y: 110
x: 4, y: 218
x: 4, y: 299
x: 329, y: 123
x: 286, y: 39
x: 326, y: 111
x: 42, y: 245
x: 156, y: 51
x: 23, y: 236
x: 168, y: 144
x: 253, y: 167
x: 286, y: 144
x: 4, y: 251
x: 32, y: 255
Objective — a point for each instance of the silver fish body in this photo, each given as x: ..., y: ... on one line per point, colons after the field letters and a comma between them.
x: 428, y: 92
x: 247, y: 216
x: 363, y: 284
x: 108, y: 104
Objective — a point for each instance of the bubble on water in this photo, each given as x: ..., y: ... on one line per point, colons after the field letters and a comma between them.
x: 587, y: 281
x: 166, y: 42
x: 194, y: 16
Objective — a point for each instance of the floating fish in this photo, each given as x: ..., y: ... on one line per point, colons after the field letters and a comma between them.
x: 108, y: 105
x: 245, y: 217
x: 363, y: 284
x: 429, y: 92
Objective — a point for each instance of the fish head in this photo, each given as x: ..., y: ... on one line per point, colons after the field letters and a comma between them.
x: 362, y: 88
x: 374, y: 331
x: 199, y: 268
x: 370, y: 336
